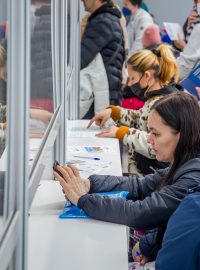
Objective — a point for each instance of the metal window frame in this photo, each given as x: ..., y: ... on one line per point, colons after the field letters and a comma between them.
x: 62, y: 36
x: 13, y: 243
x: 73, y: 93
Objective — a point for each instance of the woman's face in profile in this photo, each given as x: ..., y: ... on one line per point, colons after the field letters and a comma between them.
x: 162, y: 137
x: 133, y: 76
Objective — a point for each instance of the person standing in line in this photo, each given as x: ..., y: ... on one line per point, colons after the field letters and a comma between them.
x: 138, y: 20
x: 103, y: 34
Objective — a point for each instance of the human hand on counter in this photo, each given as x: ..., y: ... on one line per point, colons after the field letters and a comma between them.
x: 73, y: 185
x: 108, y: 132
x: 42, y: 115
x: 137, y: 255
x: 85, y: 181
x: 101, y: 118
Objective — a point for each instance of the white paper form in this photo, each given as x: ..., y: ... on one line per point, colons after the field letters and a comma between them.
x: 88, y: 167
x: 83, y: 132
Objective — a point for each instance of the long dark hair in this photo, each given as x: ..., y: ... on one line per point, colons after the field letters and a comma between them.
x: 181, y: 112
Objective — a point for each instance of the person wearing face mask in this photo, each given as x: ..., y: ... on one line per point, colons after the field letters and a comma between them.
x: 151, y: 72
x: 103, y: 34
x: 138, y: 20
x: 134, y: 98
x: 174, y: 133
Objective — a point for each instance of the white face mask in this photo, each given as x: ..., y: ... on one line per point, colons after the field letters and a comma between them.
x: 198, y: 8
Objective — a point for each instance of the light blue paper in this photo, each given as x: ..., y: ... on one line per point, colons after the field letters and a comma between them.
x: 73, y: 211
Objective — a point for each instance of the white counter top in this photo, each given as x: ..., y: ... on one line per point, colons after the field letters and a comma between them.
x: 75, y: 244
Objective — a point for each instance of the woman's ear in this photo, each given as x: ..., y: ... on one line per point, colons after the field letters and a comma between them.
x: 147, y: 75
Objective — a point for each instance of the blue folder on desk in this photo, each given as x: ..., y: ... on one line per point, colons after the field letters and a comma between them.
x: 192, y: 81
x: 73, y: 211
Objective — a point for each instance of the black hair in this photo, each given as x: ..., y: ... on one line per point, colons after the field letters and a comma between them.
x: 105, y: 1
x: 136, y: 2
x: 181, y: 112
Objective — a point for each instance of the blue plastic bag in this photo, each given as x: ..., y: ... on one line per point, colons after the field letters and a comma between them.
x: 73, y: 211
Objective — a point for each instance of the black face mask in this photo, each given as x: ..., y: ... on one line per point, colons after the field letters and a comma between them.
x: 135, y: 90
x: 138, y: 90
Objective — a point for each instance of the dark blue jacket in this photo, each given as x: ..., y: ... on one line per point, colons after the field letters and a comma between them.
x: 103, y: 34
x: 181, y: 243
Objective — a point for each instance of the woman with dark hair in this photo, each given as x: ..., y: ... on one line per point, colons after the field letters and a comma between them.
x: 174, y: 133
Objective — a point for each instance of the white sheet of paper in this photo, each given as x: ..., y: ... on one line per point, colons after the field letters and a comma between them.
x: 174, y: 30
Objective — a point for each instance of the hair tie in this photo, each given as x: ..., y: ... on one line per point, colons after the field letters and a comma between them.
x: 156, y: 52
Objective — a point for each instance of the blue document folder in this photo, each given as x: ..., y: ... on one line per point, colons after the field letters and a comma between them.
x: 192, y: 81
x: 73, y: 211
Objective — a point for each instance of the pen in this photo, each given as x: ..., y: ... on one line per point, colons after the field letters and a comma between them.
x: 137, y: 253
x: 94, y: 158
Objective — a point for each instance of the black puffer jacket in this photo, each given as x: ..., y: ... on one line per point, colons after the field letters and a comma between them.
x: 146, y: 207
x: 104, y: 34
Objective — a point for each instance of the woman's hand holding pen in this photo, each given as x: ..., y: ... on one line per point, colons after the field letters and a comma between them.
x: 108, y: 132
x: 72, y: 184
x: 137, y: 255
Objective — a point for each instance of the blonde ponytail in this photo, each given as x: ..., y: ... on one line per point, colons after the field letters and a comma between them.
x: 168, y: 64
